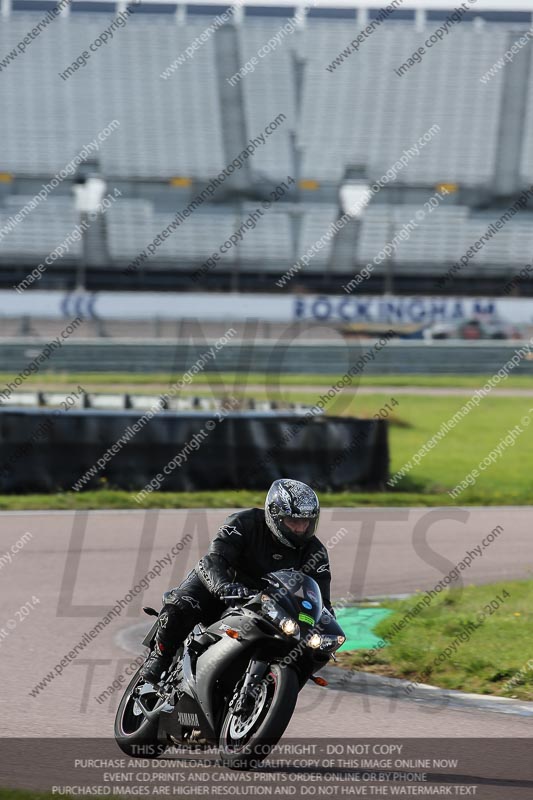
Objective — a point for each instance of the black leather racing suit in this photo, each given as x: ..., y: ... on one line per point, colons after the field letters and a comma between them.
x: 242, y: 551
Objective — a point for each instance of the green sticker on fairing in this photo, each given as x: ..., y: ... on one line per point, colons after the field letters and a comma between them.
x: 306, y: 618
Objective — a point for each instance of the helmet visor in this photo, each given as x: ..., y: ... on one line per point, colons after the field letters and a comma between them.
x: 298, y: 529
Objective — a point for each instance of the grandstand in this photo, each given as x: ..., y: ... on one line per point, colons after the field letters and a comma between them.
x: 177, y: 129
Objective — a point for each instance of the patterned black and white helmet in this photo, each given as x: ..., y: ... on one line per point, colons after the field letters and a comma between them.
x: 288, y: 498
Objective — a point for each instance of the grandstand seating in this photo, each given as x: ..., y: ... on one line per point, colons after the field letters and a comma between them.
x: 361, y: 116
x: 270, y: 241
x: 364, y: 114
x: 526, y: 163
x: 48, y: 120
x: 132, y: 225
x: 280, y: 235
x: 267, y: 92
x: 42, y: 230
x: 443, y: 237
x: 315, y: 223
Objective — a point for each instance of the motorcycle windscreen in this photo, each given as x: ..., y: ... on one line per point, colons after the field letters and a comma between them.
x: 299, y: 594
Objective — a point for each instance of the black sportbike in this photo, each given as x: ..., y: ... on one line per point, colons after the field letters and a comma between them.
x: 234, y: 684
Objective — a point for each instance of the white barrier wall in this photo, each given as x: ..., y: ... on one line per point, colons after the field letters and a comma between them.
x: 270, y: 308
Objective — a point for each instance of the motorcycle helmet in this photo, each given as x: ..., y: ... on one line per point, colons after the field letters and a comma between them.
x: 288, y: 498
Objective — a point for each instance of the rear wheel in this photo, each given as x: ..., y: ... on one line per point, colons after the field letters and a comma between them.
x: 245, y: 741
x: 135, y: 734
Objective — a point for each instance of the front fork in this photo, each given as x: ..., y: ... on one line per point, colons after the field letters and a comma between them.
x: 242, y: 703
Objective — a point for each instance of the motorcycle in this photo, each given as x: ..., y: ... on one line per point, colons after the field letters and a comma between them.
x: 234, y: 684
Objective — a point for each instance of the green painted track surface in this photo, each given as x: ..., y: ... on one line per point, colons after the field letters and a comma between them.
x: 358, y: 625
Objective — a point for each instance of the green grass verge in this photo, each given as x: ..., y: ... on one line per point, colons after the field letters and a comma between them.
x: 490, y: 657
x: 415, y: 419
x: 506, y: 482
x: 99, y: 380
x: 108, y: 499
x: 114, y: 499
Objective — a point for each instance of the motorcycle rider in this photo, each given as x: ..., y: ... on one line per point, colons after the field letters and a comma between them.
x: 248, y: 545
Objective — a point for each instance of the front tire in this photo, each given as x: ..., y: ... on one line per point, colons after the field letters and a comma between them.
x: 135, y: 735
x: 246, y: 741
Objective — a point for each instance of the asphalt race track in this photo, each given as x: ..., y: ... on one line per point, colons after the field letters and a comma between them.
x: 78, y: 564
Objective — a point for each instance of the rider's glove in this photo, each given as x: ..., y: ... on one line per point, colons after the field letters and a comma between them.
x: 232, y: 589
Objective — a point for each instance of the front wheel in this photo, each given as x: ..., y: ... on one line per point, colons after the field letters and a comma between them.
x: 134, y: 733
x: 246, y: 741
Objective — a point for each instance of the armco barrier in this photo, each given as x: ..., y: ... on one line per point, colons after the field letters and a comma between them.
x: 436, y: 358
x: 245, y: 450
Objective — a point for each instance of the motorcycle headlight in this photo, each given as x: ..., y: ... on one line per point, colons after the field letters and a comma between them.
x: 270, y: 608
x: 325, y: 642
x: 332, y: 642
x: 289, y: 626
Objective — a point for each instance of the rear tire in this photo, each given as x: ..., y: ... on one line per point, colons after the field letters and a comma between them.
x: 135, y: 735
x: 245, y: 742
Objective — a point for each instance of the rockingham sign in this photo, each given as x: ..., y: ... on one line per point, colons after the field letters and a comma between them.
x: 407, y: 310
x: 285, y: 309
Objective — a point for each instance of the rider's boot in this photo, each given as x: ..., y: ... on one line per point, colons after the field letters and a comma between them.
x: 159, y: 660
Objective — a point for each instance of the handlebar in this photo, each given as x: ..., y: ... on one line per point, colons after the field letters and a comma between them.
x: 237, y: 596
